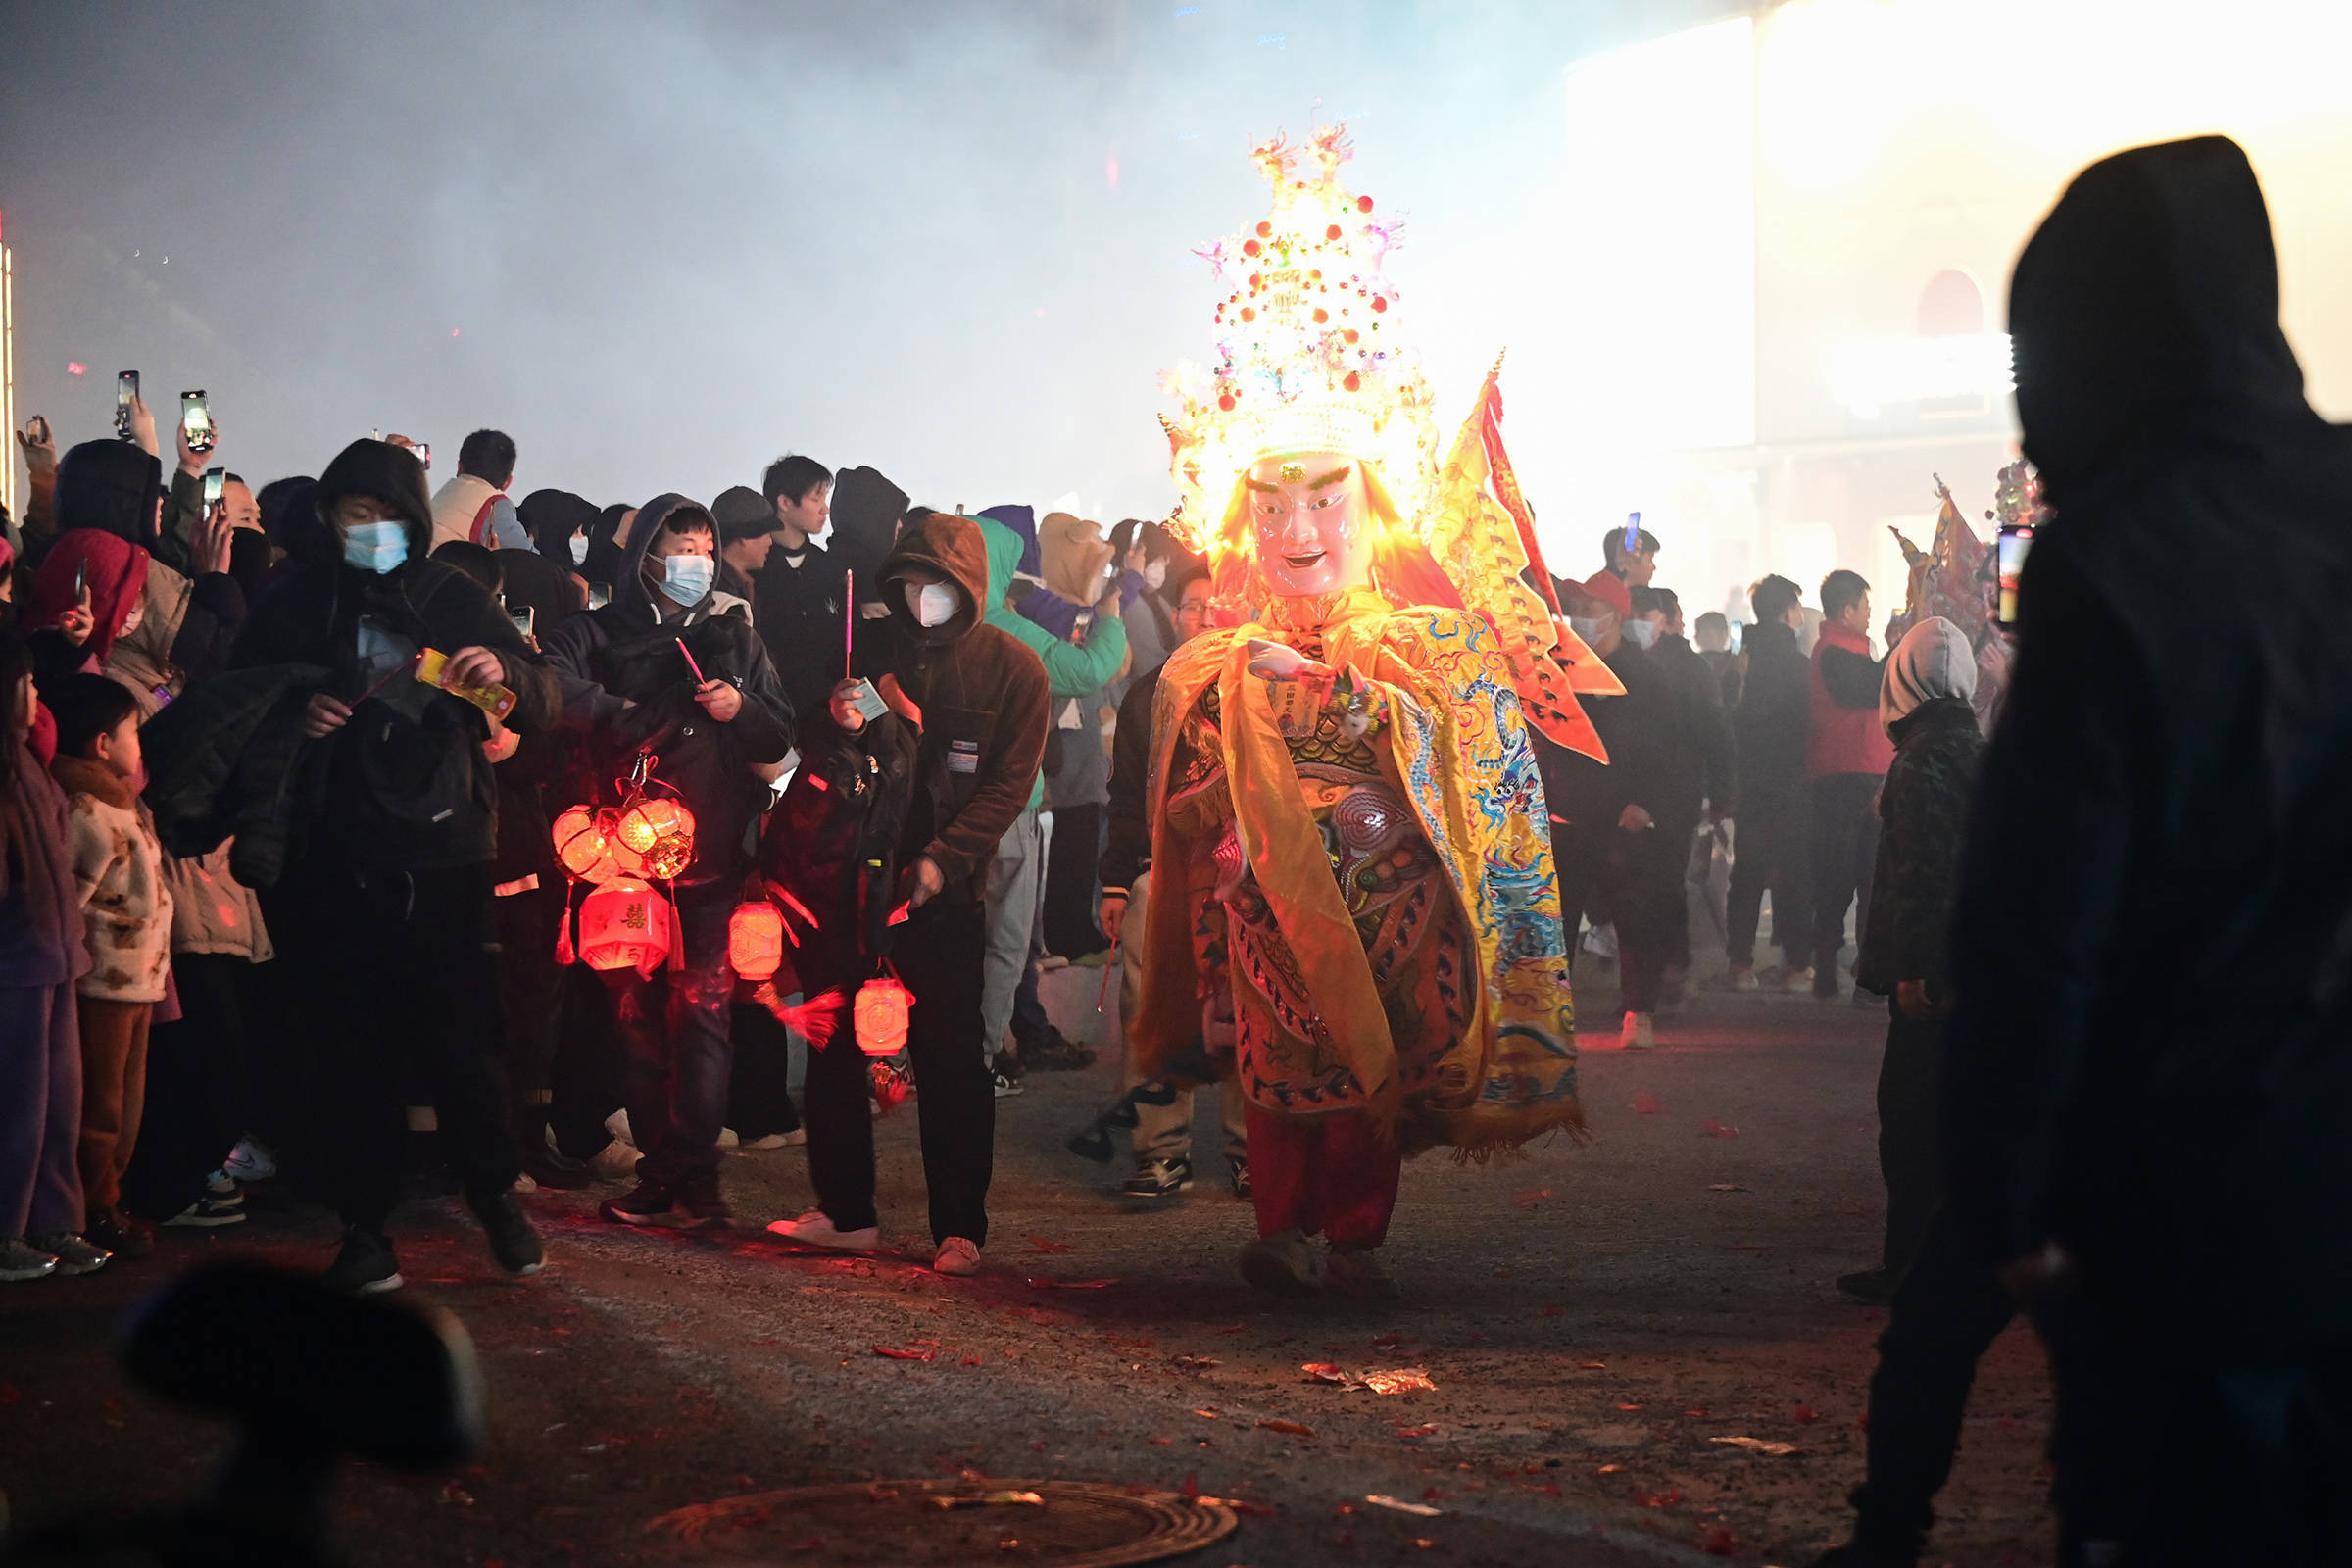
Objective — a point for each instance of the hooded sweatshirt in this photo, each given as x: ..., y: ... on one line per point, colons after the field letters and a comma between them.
x: 981, y: 694
x: 552, y: 517
x: 114, y: 573
x: 628, y: 650
x: 866, y: 508
x: 408, y: 787
x: 1923, y: 809
x: 111, y: 486
x: 1073, y: 670
x: 2151, y: 1059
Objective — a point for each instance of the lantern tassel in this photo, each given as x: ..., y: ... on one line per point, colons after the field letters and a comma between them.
x: 564, y: 953
x: 817, y: 1019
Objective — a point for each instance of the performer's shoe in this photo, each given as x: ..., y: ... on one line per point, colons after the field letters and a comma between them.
x: 1355, y: 1271
x: 1641, y: 1032
x: 1283, y: 1265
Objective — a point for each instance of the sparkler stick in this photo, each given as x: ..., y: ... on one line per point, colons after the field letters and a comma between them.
x: 848, y: 619
x: 1109, y: 964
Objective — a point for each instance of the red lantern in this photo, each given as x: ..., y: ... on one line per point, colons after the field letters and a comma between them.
x: 660, y: 831
x: 881, y: 1015
x: 584, y: 842
x: 625, y: 925
x: 756, y: 940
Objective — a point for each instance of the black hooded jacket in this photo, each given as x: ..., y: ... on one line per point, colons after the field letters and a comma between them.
x: 552, y: 517
x: 2152, y: 1055
x: 628, y: 653
x: 1637, y: 730
x: 1769, y: 725
x: 406, y: 785
x: 798, y: 602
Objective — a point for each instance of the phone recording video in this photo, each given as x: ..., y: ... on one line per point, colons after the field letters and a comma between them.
x: 525, y: 620
x: 215, y: 480
x: 126, y: 392
x: 196, y: 420
x: 2016, y: 540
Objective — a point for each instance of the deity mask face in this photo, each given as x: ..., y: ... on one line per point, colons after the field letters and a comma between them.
x: 1310, y: 523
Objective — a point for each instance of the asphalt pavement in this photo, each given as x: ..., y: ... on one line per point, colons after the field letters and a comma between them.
x: 1595, y: 1319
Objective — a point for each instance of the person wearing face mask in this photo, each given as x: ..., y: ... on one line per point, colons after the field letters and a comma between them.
x: 382, y: 918
x: 979, y: 697
x: 562, y: 525
x: 632, y: 689
x: 1620, y: 858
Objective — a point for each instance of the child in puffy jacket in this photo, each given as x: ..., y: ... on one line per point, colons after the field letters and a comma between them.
x: 127, y: 927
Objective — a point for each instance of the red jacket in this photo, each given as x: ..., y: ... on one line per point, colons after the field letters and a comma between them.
x: 1844, y: 735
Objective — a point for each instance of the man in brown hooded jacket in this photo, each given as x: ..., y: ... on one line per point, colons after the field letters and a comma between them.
x: 979, y: 699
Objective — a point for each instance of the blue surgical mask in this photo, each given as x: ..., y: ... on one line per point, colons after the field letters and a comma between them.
x: 1641, y: 633
x: 579, y: 548
x: 376, y: 547
x: 688, y: 577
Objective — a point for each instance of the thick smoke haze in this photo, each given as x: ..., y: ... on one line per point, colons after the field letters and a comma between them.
x: 662, y: 245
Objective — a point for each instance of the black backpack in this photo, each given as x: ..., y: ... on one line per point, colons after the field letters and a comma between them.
x: 831, y: 845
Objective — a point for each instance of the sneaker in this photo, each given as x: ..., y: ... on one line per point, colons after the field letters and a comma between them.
x: 958, y: 1258
x: 118, y: 1234
x: 365, y: 1265
x: 21, y: 1260
x: 1797, y: 980
x: 509, y: 1230
x: 210, y: 1210
x: 73, y: 1255
x: 548, y: 1166
x: 702, y: 1204
x: 1742, y: 977
x: 729, y: 1138
x: 1283, y: 1265
x: 1159, y: 1177
x: 1007, y: 1088
x: 250, y: 1161
x: 816, y: 1229
x: 1641, y: 1032
x: 1057, y: 1053
x: 1872, y: 1286
x: 649, y: 1202
x: 222, y: 1188
x: 617, y: 1124
x: 1240, y: 1176
x: 1051, y: 962
x: 1355, y: 1271
x: 790, y: 1139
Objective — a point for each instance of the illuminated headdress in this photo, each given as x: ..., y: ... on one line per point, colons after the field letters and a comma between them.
x: 1308, y: 357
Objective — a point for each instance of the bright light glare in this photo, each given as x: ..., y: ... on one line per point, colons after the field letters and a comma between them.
x: 1870, y: 375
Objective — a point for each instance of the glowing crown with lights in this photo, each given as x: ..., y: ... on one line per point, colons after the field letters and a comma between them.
x: 1308, y: 355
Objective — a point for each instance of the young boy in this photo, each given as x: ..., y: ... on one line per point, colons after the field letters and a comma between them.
x: 126, y: 925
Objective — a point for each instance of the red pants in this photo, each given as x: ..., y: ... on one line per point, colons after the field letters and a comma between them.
x: 1331, y: 1173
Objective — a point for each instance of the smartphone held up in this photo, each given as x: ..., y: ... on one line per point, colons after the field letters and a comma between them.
x: 127, y: 393
x: 196, y: 420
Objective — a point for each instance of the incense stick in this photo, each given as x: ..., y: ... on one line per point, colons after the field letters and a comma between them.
x: 849, y: 620
x: 699, y: 678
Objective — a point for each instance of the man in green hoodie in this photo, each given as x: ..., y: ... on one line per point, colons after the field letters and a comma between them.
x: 1073, y: 669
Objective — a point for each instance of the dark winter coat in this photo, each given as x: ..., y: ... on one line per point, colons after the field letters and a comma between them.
x: 1127, y: 851
x: 1923, y: 819
x: 1698, y: 761
x: 408, y: 787
x: 2151, y: 1059
x: 628, y: 650
x: 1774, y: 710
x: 982, y: 696
x: 228, y: 757
x: 1637, y: 730
x: 798, y: 602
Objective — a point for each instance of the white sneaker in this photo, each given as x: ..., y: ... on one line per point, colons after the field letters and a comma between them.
x: 958, y: 1258
x: 617, y: 1161
x: 250, y: 1161
x: 729, y: 1138
x: 1640, y: 1033
x: 222, y: 1188
x: 617, y: 1124
x: 798, y: 1135
x: 1743, y: 977
x: 1799, y: 980
x: 816, y: 1229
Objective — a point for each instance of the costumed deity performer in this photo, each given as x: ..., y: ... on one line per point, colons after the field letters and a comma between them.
x: 1356, y: 905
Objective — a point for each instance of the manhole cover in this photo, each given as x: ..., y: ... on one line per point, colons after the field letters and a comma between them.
x: 934, y: 1523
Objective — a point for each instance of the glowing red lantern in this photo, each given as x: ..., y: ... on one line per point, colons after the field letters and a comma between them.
x: 756, y: 940
x: 660, y: 831
x: 881, y: 1015
x: 625, y: 925
x: 584, y: 844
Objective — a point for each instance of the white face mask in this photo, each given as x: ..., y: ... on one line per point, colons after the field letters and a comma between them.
x: 687, y: 578
x: 377, y: 547
x: 579, y: 548
x: 1641, y: 633
x: 933, y: 603
x: 1155, y: 574
x: 1585, y: 627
